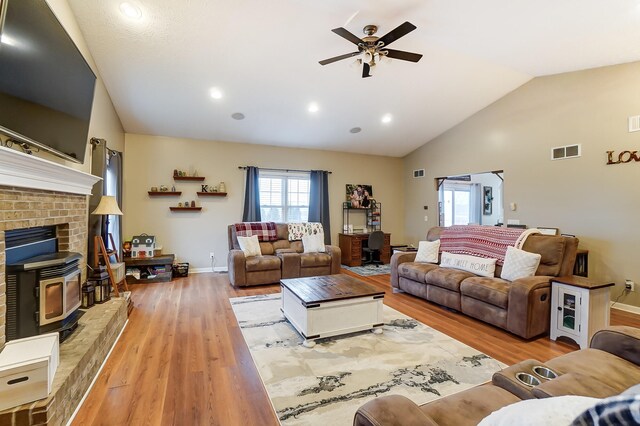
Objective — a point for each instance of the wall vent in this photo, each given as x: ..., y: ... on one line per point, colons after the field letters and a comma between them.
x: 567, y: 151
x: 634, y: 123
x: 418, y: 173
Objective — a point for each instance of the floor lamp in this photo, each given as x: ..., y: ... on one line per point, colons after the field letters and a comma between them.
x: 108, y: 206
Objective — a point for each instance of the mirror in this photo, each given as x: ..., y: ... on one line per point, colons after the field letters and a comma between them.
x: 473, y: 199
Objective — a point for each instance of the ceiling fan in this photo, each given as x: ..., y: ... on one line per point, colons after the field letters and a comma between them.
x: 373, y: 49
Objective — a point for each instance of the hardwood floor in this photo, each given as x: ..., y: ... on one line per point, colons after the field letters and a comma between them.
x: 182, y: 359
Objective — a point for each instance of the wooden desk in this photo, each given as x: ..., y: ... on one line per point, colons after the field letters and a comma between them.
x: 351, y: 248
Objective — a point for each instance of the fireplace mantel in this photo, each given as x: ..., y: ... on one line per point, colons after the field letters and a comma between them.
x: 21, y: 170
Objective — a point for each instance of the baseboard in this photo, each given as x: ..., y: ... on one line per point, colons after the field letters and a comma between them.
x: 203, y: 270
x: 626, y: 308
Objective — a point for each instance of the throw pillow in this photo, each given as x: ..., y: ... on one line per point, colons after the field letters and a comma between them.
x: 314, y: 243
x: 250, y: 246
x: 519, y: 264
x: 428, y: 252
x: 559, y: 410
x: 476, y: 265
x: 297, y: 231
x: 315, y: 228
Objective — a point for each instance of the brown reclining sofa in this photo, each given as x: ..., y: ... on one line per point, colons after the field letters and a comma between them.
x: 521, y: 307
x: 280, y: 259
x: 609, y: 366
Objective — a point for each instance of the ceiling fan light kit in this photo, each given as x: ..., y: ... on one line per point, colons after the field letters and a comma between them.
x: 372, y: 49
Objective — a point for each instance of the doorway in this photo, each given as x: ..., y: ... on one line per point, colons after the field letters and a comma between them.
x: 474, y: 199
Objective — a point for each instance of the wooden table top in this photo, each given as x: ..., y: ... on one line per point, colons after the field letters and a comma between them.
x: 163, y: 259
x: 582, y: 282
x: 329, y: 288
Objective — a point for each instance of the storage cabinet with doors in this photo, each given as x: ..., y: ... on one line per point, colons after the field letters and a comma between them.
x: 579, y: 308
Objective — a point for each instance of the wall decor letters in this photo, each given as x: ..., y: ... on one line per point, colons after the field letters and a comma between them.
x: 623, y: 157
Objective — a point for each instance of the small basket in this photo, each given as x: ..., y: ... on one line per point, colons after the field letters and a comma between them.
x: 180, y: 270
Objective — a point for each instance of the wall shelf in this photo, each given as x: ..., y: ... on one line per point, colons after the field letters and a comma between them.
x: 211, y: 194
x: 191, y: 178
x: 185, y: 209
x: 164, y: 193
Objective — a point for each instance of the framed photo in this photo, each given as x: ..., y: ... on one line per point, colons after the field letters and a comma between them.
x: 548, y: 231
x: 359, y: 195
x: 487, y: 200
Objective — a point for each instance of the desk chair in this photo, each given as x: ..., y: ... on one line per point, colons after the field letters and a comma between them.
x: 374, y: 246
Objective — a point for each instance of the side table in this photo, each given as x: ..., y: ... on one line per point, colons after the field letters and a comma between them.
x: 579, y: 308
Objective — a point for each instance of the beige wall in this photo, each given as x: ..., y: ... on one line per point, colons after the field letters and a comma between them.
x: 150, y: 161
x: 585, y: 197
x: 105, y: 123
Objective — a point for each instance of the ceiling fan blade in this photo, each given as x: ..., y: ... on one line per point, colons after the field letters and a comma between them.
x: 365, y: 70
x: 347, y: 35
x: 395, y: 34
x: 405, y: 56
x: 339, y: 58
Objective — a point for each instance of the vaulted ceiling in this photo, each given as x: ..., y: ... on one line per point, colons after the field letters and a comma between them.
x: 263, y: 58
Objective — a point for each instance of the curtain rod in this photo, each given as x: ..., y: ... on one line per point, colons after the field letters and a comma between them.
x: 278, y: 170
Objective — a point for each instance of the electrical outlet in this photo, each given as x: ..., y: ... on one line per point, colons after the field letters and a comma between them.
x: 629, y: 285
x: 212, y: 255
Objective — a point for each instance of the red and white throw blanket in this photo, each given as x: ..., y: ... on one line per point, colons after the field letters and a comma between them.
x: 266, y: 231
x: 490, y: 242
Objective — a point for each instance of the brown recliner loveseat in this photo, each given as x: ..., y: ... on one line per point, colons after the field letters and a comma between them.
x: 520, y: 307
x: 280, y: 259
x: 608, y: 367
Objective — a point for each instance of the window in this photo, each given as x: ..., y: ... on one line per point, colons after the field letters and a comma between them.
x: 456, y: 204
x: 284, y: 197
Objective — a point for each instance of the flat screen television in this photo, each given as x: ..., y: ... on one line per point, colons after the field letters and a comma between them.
x: 46, y: 86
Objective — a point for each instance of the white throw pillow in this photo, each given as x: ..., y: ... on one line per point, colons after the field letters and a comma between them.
x: 313, y: 243
x: 428, y: 251
x: 519, y: 263
x: 559, y: 410
x: 476, y: 265
x: 250, y: 246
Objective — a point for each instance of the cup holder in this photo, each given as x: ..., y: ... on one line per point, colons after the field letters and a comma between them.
x: 545, y: 372
x: 527, y: 379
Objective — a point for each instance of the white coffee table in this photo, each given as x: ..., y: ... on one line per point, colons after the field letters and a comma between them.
x: 331, y: 305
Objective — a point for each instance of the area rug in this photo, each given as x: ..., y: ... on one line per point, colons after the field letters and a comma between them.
x: 369, y: 270
x: 326, y: 384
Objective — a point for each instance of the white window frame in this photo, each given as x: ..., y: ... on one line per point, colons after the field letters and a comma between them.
x: 286, y: 205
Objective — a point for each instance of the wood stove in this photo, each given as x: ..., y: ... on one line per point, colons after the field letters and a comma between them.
x: 44, y: 286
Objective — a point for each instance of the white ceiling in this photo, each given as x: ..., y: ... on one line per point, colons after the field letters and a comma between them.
x: 264, y: 56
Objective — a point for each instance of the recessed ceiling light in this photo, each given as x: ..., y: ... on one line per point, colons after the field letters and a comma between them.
x: 237, y: 116
x: 130, y: 10
x: 313, y: 107
x: 7, y: 40
x: 355, y: 130
x: 386, y: 119
x: 215, y: 93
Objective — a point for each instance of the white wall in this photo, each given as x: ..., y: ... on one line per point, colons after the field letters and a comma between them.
x: 150, y: 161
x: 583, y: 196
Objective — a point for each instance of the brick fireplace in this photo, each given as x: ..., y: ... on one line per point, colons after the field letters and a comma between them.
x: 27, y: 208
x: 37, y: 192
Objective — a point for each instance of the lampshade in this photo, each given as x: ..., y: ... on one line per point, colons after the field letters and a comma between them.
x: 108, y: 206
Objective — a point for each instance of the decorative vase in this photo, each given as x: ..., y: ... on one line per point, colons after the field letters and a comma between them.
x: 222, y: 187
x: 193, y: 203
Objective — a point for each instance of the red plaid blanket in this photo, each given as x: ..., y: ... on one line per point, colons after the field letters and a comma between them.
x: 266, y: 231
x: 490, y: 242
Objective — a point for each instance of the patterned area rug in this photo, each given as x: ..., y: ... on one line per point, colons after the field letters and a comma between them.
x: 326, y: 384
x: 367, y: 271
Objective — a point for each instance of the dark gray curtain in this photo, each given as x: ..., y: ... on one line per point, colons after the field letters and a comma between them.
x: 251, y: 211
x: 319, y: 201
x: 113, y: 182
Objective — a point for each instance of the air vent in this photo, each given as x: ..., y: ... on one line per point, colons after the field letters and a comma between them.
x: 634, y: 123
x: 567, y: 151
x: 418, y: 173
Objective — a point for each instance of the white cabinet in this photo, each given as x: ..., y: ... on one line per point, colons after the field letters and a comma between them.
x: 579, y: 308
